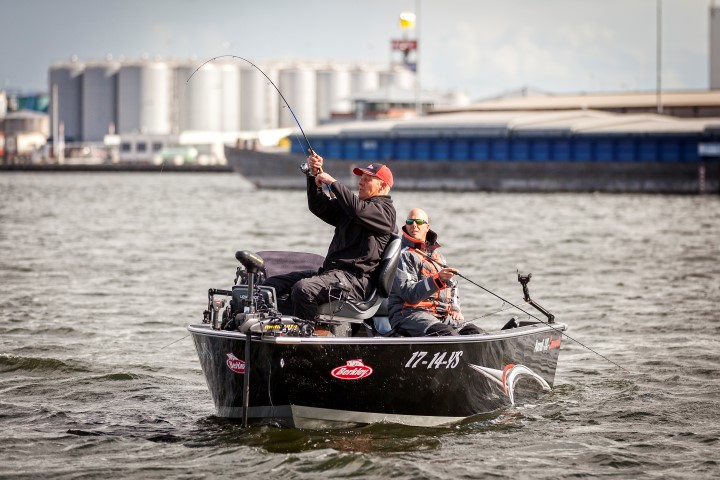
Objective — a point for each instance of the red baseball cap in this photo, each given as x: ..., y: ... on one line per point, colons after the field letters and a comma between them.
x: 376, y: 170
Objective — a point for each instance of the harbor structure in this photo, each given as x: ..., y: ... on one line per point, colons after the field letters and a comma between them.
x: 714, y: 47
x: 573, y: 150
x: 129, y: 108
x: 162, y: 96
x: 515, y: 136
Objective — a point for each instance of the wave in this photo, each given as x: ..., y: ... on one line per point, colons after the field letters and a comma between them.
x: 13, y: 363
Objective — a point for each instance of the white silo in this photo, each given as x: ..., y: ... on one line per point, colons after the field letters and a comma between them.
x: 399, y: 77
x: 259, y: 101
x: 66, y: 79
x: 230, y: 97
x: 144, y: 98
x: 299, y: 86
x: 99, y: 100
x: 333, y: 91
x: 199, y: 103
x: 365, y: 79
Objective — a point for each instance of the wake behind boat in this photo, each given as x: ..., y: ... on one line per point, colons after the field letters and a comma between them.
x: 266, y: 367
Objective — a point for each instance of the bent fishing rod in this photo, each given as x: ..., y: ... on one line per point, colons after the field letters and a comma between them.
x: 441, y: 265
x: 310, y: 149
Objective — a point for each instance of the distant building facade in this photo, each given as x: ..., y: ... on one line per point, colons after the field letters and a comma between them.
x: 690, y: 104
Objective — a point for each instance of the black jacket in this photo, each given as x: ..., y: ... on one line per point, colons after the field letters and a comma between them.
x: 362, y: 227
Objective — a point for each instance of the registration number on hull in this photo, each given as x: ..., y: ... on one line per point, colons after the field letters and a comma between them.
x: 439, y: 359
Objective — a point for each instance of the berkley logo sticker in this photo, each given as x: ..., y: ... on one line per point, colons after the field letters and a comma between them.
x: 352, y: 370
x: 235, y: 364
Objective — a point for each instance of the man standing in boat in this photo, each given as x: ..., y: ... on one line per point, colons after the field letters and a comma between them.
x: 364, y: 224
x: 424, y: 298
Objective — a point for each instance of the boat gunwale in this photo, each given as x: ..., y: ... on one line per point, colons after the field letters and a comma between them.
x: 206, y: 329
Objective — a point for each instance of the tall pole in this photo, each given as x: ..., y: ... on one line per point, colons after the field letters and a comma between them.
x: 55, y: 121
x: 658, y: 62
x: 418, y: 103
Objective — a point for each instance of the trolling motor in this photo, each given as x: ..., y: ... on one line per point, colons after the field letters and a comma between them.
x: 524, y: 280
x: 253, y: 264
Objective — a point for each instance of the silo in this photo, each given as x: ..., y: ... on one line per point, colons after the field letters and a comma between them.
x: 365, y: 79
x: 259, y: 101
x: 230, y: 97
x: 399, y: 77
x: 299, y: 86
x: 144, y: 98
x: 67, y: 78
x: 333, y: 92
x: 199, y: 98
x: 99, y: 100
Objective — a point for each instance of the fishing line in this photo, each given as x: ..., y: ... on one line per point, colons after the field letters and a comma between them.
x: 173, y: 343
x: 501, y: 309
x: 310, y: 149
x: 524, y: 311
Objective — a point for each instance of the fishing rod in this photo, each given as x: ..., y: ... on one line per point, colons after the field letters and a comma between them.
x: 441, y: 265
x: 173, y: 343
x: 310, y: 149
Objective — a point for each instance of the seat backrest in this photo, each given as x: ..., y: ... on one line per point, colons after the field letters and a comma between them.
x: 388, y: 266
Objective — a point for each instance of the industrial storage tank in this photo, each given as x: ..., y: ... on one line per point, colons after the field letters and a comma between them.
x: 144, y: 98
x: 99, y: 100
x: 260, y: 101
x: 199, y: 98
x: 334, y: 87
x: 365, y: 79
x: 299, y: 86
x: 230, y: 97
x: 397, y: 76
x: 67, y: 79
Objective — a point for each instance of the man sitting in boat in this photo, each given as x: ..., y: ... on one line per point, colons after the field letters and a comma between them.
x: 363, y: 225
x: 424, y: 298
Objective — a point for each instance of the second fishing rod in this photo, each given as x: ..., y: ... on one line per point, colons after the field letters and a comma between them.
x: 524, y: 279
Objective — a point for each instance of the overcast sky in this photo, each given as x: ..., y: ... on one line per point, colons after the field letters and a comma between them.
x: 480, y: 47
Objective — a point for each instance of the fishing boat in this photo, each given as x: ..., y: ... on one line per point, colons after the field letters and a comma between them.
x: 263, y: 366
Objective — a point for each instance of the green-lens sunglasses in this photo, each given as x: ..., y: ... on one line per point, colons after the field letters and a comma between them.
x: 417, y: 221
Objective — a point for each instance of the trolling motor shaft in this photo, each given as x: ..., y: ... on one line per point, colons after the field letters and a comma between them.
x: 524, y: 280
x: 253, y: 264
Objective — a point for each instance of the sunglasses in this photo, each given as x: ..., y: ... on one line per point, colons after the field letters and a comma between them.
x: 416, y: 221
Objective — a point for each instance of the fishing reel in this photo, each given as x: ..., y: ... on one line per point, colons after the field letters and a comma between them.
x: 306, y: 169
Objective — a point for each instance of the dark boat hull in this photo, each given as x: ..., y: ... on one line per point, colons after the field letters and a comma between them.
x: 319, y: 382
x: 280, y: 170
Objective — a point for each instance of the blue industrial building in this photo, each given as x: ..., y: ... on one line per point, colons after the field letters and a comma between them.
x: 522, y: 136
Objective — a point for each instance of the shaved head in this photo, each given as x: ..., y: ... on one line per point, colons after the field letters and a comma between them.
x: 416, y: 231
x: 418, y: 213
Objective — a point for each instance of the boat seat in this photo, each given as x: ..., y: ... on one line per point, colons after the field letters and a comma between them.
x: 385, y: 276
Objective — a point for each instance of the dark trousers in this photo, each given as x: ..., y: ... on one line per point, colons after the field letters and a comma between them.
x: 308, y: 289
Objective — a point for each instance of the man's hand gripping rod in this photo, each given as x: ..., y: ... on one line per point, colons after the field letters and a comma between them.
x: 307, y: 170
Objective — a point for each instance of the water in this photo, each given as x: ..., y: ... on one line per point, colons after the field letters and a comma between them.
x: 101, y: 273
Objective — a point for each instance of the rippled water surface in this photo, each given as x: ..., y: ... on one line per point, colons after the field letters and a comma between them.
x: 101, y: 273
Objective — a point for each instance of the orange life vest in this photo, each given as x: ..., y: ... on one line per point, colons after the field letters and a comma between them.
x: 439, y: 302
